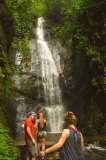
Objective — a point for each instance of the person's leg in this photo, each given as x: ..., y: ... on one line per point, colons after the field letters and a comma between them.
x: 28, y: 155
x: 43, y: 139
x: 43, y: 143
x: 32, y: 150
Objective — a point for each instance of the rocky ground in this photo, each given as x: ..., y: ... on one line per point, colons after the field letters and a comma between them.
x: 95, y: 154
x: 92, y: 152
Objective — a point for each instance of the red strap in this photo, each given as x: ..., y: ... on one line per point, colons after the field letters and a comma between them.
x: 75, y: 130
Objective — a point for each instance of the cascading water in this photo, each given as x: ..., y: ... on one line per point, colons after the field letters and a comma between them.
x: 43, y: 64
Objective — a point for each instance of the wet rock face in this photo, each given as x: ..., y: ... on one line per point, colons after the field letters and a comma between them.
x: 28, y: 86
x: 26, y: 96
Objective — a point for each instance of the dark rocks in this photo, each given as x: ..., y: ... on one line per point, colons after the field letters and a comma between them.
x: 95, y: 154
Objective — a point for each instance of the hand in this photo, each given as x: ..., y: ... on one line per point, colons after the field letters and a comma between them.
x: 42, y: 153
x: 33, y: 140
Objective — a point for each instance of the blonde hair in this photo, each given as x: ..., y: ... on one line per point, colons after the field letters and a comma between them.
x: 70, y: 118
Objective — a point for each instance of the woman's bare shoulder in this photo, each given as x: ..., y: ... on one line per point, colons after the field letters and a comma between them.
x: 66, y: 131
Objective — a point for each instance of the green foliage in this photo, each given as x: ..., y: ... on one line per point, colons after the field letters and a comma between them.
x: 2, y: 117
x: 6, y: 72
x: 40, y: 7
x: 24, y: 13
x: 7, y: 149
x: 24, y: 16
x: 58, y: 15
x: 90, y: 131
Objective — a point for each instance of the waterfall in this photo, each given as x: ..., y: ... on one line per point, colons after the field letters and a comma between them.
x: 45, y: 66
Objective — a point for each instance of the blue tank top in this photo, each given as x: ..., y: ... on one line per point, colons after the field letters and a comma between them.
x: 71, y: 149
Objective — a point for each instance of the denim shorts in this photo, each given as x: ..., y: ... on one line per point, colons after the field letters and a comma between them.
x: 42, y: 134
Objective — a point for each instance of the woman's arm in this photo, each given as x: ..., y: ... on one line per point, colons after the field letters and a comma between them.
x: 59, y: 144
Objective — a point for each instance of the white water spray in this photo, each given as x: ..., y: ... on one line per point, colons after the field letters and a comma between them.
x: 43, y: 64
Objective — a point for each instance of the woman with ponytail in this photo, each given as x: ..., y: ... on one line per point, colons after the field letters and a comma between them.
x: 71, y: 142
